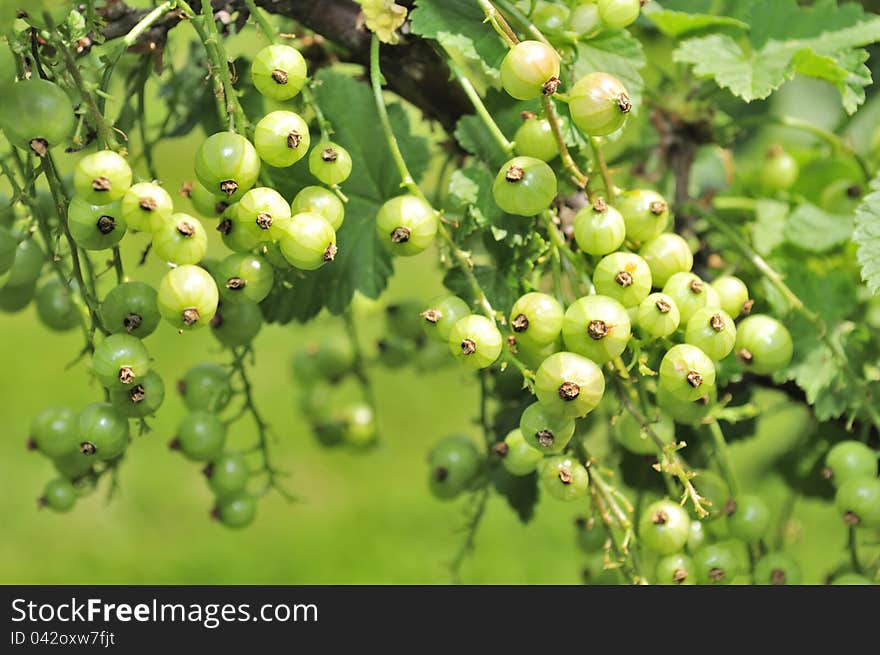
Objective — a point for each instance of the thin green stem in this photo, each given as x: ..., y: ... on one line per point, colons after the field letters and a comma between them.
x: 471, y: 529
x: 852, y: 547
x: 571, y: 166
x: 722, y: 456
x: 835, y: 141
x: 480, y: 107
x: 309, y: 98
x: 360, y: 368
x: 603, y: 168
x: 261, y: 20
x: 498, y: 23
x: 525, y: 24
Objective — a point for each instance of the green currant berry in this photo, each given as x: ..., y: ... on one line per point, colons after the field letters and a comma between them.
x: 181, y: 240
x: 14, y: 299
x: 597, y: 327
x: 623, y: 276
x: 95, y: 227
x: 331, y: 360
x: 585, y: 19
x: 689, y: 293
x: 187, y: 297
x: 279, y: 72
x: 763, y: 345
x: 228, y: 475
x: 318, y: 200
x: 696, y: 536
x: 237, y: 511
x: 207, y: 204
x: 206, y: 387
x: 712, y: 331
x: 264, y: 213
x: 406, y: 225
x: 200, y: 436
x: 569, y: 384
x: 858, y: 500
x: 777, y: 569
x: 102, y: 431
x: 733, y: 295
x: 716, y: 564
x: 517, y: 456
x: 143, y: 398
x: 546, y: 432
x: 330, y: 163
x: 591, y: 536
x: 245, y: 278
x: 396, y: 353
x: 780, y: 170
x: 530, y: 69
x: 144, y: 205
x: 27, y: 266
x: 550, y: 18
x: 53, y: 432
x: 841, y: 197
x: 535, y: 138
x: 59, y: 495
x: 73, y: 466
x: 667, y: 255
x: 360, y: 425
x: 36, y: 115
x: 851, y: 579
x: 119, y: 360
x: 848, y: 460
x: 658, y: 316
x: 714, y: 489
x: 454, y: 462
x: 56, y: 307
x: 475, y: 341
x: 687, y: 372
x: 102, y: 177
x: 131, y: 308
x: 8, y: 245
x: 630, y: 434
x: 227, y: 164
x: 403, y: 320
x: 442, y: 314
x: 599, y: 104
x: 308, y: 241
x: 646, y: 214
x: 282, y: 138
x: 664, y: 527
x: 676, y: 569
x: 748, y: 518
x: 236, y: 324
x: 537, y: 319
x: 564, y: 478
x: 524, y: 186
x: 234, y: 234
x: 599, y: 229
x: 619, y: 13
x: 533, y: 356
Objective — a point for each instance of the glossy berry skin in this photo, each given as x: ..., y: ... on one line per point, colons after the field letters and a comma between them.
x: 308, y: 241
x: 330, y: 163
x: 237, y: 511
x: 227, y: 475
x: 550, y: 18
x: 131, y: 308
x: 102, y: 431
x: 545, y: 431
x: 360, y: 426
x: 59, y: 495
x: 569, y: 384
x: 453, y: 464
x: 687, y: 372
x: 696, y: 537
x: 279, y: 72
x: 36, y: 109
x: 318, y: 200
x: 564, y: 478
x: 527, y: 68
x: 599, y: 104
x: 763, y: 344
x: 228, y: 165
x: 181, y: 239
x: 646, y: 214
x: 848, y: 460
x: 599, y: 229
x: 475, y: 341
x: 536, y: 318
x: 597, y: 327
x: 442, y: 314
x: 145, y: 205
x: 102, y: 177
x: 53, y: 432
x: 733, y: 295
x: 406, y: 225
x: 667, y: 255
x: 236, y: 236
x: 206, y: 387
x: 712, y: 331
x: 535, y: 138
x: 686, y: 412
x: 630, y: 435
x: 264, y: 214
x: 74, y: 465
x: 282, y: 138
x: 245, y: 278
x: 331, y: 360
x: 676, y: 569
x: 207, y: 204
x: 524, y: 186
x: 519, y: 458
x: 27, y: 266
x: 585, y: 19
x: 664, y: 527
x: 236, y: 324
x: 658, y: 316
x: 15, y: 299
x: 619, y: 13
x: 858, y: 500
x: 779, y: 171
x: 120, y: 360
x: 717, y: 564
x: 8, y: 245
x: 748, y: 518
x: 187, y: 297
x: 591, y: 535
x: 689, y: 293
x: 623, y: 276
x: 777, y: 569
x: 95, y: 227
x: 200, y: 436
x: 142, y: 398
x: 56, y: 307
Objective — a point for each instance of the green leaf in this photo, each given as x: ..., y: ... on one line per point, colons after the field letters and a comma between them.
x: 520, y: 491
x: 867, y: 237
x: 618, y: 53
x: 769, y: 226
x: 677, y: 24
x: 814, y: 230
x: 470, y: 193
x: 498, y: 286
x: 474, y: 137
